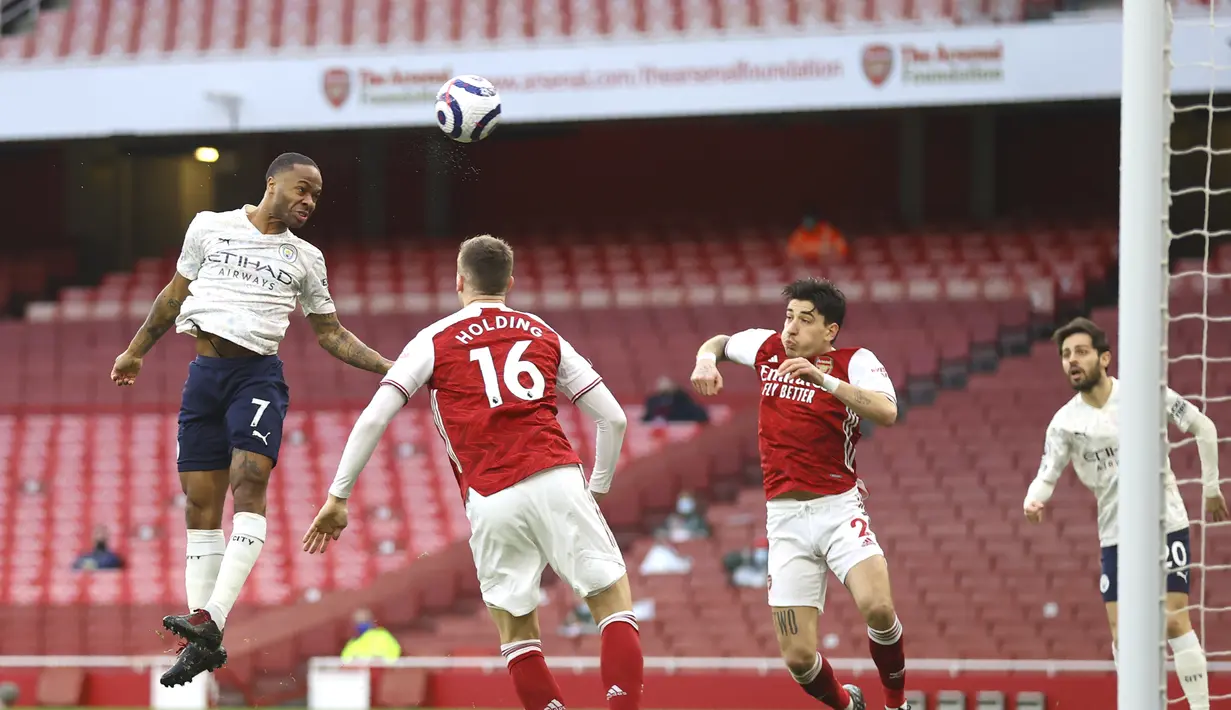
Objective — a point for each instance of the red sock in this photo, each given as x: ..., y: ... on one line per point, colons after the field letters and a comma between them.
x: 621, y: 661
x: 890, y: 660
x: 822, y: 684
x: 536, y: 688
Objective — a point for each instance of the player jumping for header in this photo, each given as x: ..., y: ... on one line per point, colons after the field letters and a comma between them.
x: 813, y: 396
x: 1086, y: 433
x: 493, y: 375
x: 238, y: 278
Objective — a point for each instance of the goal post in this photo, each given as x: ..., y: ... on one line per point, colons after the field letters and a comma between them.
x: 1145, y: 119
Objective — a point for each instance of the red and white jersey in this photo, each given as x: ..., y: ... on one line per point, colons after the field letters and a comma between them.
x: 807, y: 436
x: 493, y: 375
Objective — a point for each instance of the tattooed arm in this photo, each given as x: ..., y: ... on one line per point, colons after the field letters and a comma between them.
x: 342, y: 344
x: 869, y: 393
x: 162, y: 317
x: 868, y: 404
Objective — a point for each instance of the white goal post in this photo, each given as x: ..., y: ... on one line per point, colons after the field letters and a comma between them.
x: 1153, y: 298
x: 1145, y: 120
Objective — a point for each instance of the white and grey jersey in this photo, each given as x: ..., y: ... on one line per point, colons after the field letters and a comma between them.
x: 1089, y: 438
x: 244, y: 283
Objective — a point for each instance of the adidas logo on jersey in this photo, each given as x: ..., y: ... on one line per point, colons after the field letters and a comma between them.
x: 774, y: 359
x: 614, y: 692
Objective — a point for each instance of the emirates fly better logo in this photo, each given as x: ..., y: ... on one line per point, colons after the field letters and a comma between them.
x: 877, y: 63
x: 337, y: 86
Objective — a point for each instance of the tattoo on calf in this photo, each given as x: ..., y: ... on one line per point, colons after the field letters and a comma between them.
x: 787, y: 626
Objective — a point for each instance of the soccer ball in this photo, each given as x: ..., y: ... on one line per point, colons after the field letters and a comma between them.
x: 468, y: 108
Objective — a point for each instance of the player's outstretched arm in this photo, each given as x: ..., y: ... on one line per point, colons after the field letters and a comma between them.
x: 705, y: 378
x: 601, y: 405
x: 1193, y: 421
x: 740, y: 348
x: 345, y: 346
x: 161, y: 318
x: 1056, y: 454
x: 366, y: 434
x: 716, y: 347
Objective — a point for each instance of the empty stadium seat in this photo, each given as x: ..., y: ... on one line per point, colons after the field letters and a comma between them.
x: 67, y: 474
x: 972, y: 579
x: 116, y: 29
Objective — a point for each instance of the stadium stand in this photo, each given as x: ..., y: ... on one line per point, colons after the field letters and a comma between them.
x: 922, y: 302
x: 980, y: 581
x: 111, y: 470
x: 131, y: 30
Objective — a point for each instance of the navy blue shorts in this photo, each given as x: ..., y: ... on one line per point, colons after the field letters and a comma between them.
x: 1178, y: 549
x: 231, y: 403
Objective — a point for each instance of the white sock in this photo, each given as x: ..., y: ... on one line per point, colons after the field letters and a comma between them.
x: 889, y: 636
x: 247, y: 539
x: 811, y: 675
x: 1190, y: 666
x: 204, y: 557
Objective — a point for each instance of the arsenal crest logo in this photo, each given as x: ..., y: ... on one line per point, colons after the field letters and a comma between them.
x: 877, y: 63
x: 824, y: 364
x: 337, y: 86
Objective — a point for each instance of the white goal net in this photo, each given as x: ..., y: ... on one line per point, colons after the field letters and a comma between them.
x: 1198, y: 357
x: 1178, y: 254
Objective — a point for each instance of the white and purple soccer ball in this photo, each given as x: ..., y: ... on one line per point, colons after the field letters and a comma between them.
x: 468, y: 108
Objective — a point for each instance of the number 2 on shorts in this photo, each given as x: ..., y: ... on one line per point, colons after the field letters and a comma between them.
x: 261, y: 405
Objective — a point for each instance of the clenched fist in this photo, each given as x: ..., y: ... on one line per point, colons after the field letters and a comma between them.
x: 706, y: 379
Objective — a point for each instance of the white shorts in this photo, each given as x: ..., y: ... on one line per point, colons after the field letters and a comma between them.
x: 549, y: 518
x: 808, y: 538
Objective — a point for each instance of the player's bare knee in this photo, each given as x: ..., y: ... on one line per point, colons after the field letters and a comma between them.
x: 1178, y: 624
x: 799, y: 659
x: 516, y: 628
x: 204, y: 499
x: 879, y: 614
x: 249, y: 481
x: 202, y: 514
x: 612, y: 600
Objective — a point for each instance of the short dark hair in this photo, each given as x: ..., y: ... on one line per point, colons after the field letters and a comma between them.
x: 1098, y: 337
x: 286, y: 161
x: 487, y: 264
x: 828, y: 299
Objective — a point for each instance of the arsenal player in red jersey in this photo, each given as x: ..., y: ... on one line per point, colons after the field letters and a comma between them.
x: 494, y: 375
x: 813, y: 396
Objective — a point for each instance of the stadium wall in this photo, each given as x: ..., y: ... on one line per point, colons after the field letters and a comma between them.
x: 671, y: 683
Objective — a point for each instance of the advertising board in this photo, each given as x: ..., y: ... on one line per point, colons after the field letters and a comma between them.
x: 1003, y: 64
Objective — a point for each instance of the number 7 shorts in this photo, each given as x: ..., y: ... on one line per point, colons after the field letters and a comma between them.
x: 809, y: 538
x: 228, y: 404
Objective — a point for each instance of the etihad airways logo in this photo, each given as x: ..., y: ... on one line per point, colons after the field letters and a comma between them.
x: 238, y: 266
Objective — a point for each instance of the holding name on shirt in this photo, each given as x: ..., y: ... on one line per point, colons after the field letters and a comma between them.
x: 500, y: 322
